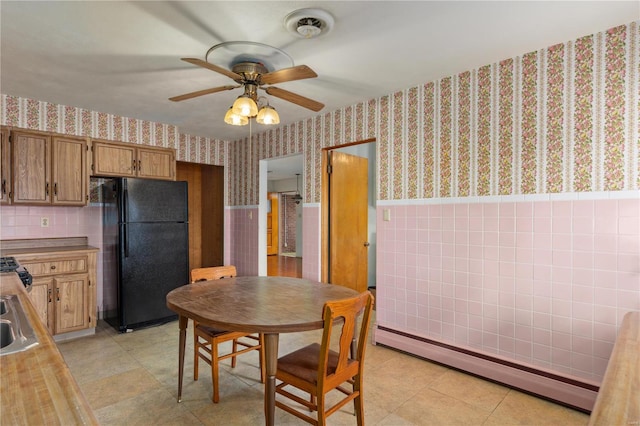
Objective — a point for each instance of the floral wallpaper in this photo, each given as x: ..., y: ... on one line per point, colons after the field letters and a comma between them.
x: 45, y: 116
x: 561, y: 119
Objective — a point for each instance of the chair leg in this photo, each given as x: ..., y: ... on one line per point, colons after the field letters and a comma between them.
x: 262, y: 360
x: 322, y: 418
x: 358, y: 401
x: 235, y: 349
x: 196, y: 350
x: 215, y: 376
x: 359, y: 412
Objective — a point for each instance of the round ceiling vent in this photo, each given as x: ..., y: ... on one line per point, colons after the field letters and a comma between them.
x: 308, y: 23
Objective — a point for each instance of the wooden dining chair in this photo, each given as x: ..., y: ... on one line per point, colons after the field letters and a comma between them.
x: 206, y: 339
x: 317, y: 369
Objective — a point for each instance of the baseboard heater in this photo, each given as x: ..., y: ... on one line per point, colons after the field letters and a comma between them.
x: 564, y: 390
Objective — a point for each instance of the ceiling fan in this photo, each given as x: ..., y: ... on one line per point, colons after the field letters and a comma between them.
x: 253, y: 71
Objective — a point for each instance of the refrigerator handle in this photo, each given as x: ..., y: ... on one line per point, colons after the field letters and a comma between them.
x: 125, y: 198
x: 125, y: 217
x: 125, y: 237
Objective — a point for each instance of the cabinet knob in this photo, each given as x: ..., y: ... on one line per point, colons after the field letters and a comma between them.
x: 53, y: 266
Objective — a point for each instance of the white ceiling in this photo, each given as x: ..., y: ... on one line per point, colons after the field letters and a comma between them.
x: 123, y: 57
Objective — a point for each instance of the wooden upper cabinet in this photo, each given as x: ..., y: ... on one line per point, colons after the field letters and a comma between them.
x: 48, y: 169
x: 5, y: 166
x: 111, y: 159
x: 31, y: 163
x: 130, y: 160
x: 69, y: 171
x: 156, y: 163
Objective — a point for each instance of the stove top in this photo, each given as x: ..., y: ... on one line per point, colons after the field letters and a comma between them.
x: 8, y: 264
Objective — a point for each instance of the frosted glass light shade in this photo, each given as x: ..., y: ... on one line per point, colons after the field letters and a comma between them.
x: 235, y: 119
x: 268, y: 115
x: 245, y: 106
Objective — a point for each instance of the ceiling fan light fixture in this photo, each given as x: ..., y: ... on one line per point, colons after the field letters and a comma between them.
x: 297, y: 197
x: 235, y: 119
x: 268, y: 115
x: 245, y: 106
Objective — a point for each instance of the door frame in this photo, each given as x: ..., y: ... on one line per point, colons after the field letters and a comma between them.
x: 324, y: 202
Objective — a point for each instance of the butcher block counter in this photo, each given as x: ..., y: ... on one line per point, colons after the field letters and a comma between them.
x: 618, y: 401
x: 36, y: 385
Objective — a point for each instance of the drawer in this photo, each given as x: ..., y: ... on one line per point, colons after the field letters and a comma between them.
x: 55, y: 266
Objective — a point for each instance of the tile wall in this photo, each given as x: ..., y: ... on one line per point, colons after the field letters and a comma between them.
x: 541, y: 281
x: 311, y: 241
x: 243, y: 244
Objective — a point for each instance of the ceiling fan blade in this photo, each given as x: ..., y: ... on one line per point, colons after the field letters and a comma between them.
x: 296, y: 99
x: 299, y: 72
x: 201, y: 93
x: 204, y: 64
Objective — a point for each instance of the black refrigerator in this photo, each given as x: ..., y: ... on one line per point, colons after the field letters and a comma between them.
x: 146, y: 250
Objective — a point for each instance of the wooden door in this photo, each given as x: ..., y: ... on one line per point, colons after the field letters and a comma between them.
x: 69, y: 170
x: 212, y: 191
x: 72, y: 302
x: 41, y: 297
x: 5, y: 166
x: 111, y: 159
x: 348, y: 220
x: 206, y: 212
x: 31, y: 162
x: 155, y: 163
x: 272, y: 224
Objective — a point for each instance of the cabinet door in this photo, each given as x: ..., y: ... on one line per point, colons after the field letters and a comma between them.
x: 41, y: 297
x: 113, y: 160
x: 156, y: 163
x: 72, y: 302
x: 69, y: 171
x: 31, y: 159
x: 5, y: 167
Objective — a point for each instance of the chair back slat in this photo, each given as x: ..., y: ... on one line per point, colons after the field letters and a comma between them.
x: 344, y: 314
x: 213, y: 273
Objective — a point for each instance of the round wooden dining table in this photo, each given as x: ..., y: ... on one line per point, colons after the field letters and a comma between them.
x: 267, y: 305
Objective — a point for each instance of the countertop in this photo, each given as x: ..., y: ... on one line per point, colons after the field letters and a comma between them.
x: 45, y: 250
x: 37, y: 386
x: 37, y: 246
x: 618, y: 401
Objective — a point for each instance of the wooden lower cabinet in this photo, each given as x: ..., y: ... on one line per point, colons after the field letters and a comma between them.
x: 41, y: 296
x: 64, y: 289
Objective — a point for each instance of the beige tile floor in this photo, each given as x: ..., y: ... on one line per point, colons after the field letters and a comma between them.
x: 131, y: 379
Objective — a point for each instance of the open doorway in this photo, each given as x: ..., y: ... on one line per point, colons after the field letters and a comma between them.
x: 280, y: 217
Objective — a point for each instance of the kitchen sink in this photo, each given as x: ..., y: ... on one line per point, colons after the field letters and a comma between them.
x: 6, y: 334
x: 16, y: 333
